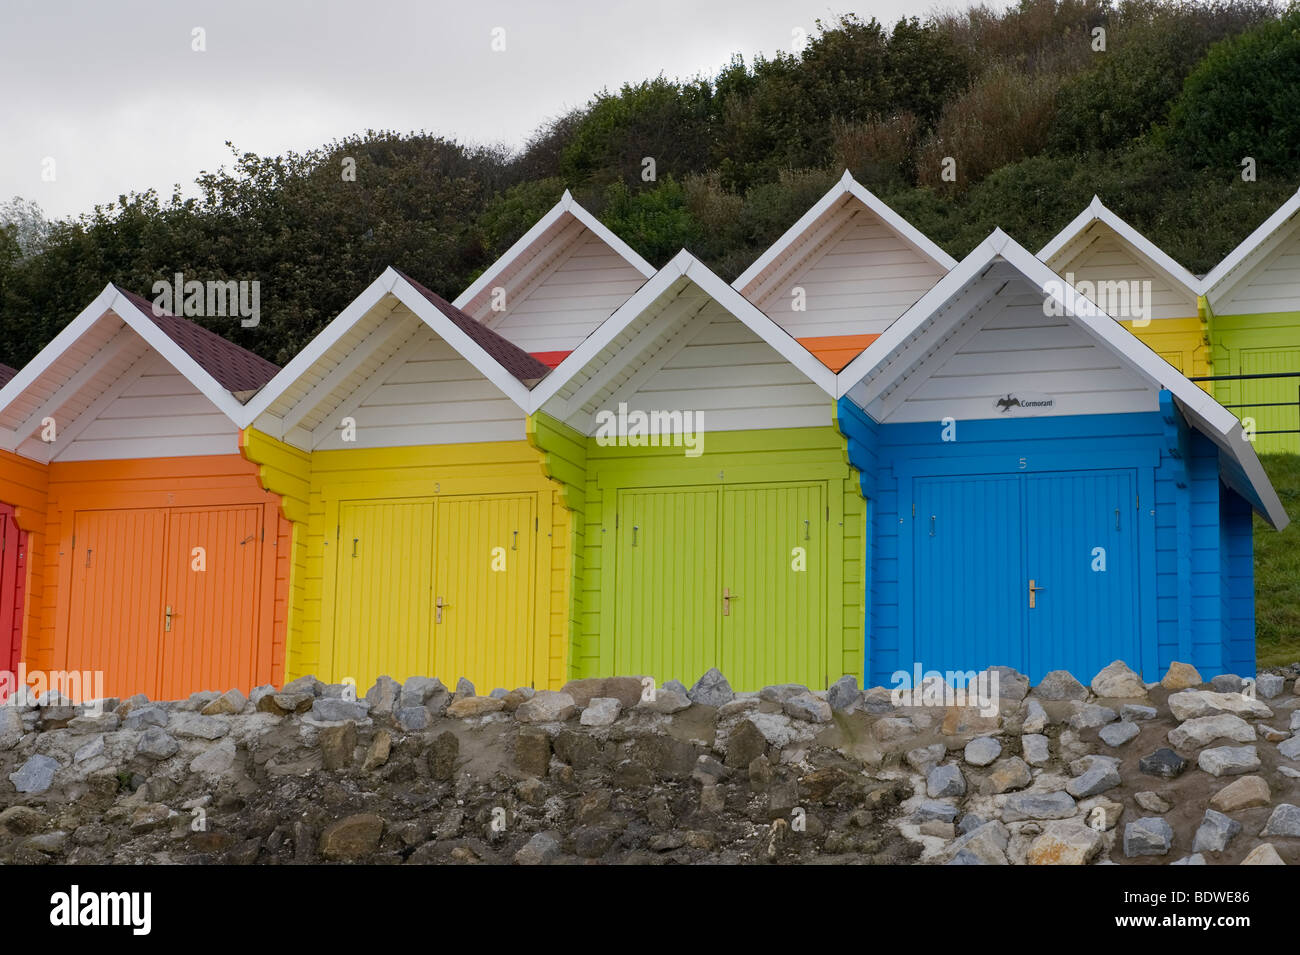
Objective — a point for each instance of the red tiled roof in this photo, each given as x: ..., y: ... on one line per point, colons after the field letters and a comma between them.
x: 510, y: 356
x: 236, y: 369
x: 6, y: 373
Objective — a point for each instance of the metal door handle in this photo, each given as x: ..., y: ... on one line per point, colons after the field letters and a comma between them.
x: 354, y: 546
x: 1033, y: 590
x: 439, y: 605
x: 87, y: 556
x: 514, y: 545
x: 806, y: 531
x: 727, y: 598
x: 167, y: 620
x: 635, y: 528
x: 931, y: 525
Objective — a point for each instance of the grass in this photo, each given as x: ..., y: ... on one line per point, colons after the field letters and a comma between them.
x: 1277, y: 570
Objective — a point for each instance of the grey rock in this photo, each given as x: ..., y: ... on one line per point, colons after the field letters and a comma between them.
x: 90, y: 750
x: 332, y: 711
x: 982, y: 751
x: 1206, y: 729
x: 1164, y: 763
x: 970, y: 822
x: 548, y: 706
x: 1118, y: 681
x: 156, y: 742
x: 1269, y: 685
x: 925, y: 758
x: 712, y: 689
x: 1012, y: 684
x: 1091, y: 715
x: 808, y: 708
x: 601, y: 711
x: 464, y: 688
x: 216, y: 760
x: 11, y: 727
x: 1227, y: 683
x: 1190, y: 704
x: 1137, y: 713
x: 1148, y: 836
x: 1036, y: 749
x: 1101, y: 777
x: 1152, y: 802
x: 666, y: 701
x: 945, y: 780
x: 412, y: 719
x: 1215, y: 832
x: 1021, y: 806
x: 194, y: 726
x: 1117, y: 734
x: 1035, y: 720
x: 151, y: 715
x: 677, y: 686
x: 424, y: 691
x: 1228, y: 760
x: 498, y: 693
x: 1060, y: 685
x: 844, y: 693
x: 1290, y: 748
x: 304, y: 684
x: 383, y: 696
x: 1285, y: 821
x: 36, y: 775
x: 930, y: 810
x: 988, y: 843
x: 1195, y: 859
x: 541, y: 849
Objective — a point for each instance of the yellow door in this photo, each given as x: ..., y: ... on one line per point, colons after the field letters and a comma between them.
x: 383, y: 607
x: 483, y: 593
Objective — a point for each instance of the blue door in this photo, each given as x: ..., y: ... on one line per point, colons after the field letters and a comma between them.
x: 1035, y: 571
x: 968, y: 542
x: 1083, y: 558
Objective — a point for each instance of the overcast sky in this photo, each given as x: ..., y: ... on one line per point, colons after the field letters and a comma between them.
x: 115, y: 94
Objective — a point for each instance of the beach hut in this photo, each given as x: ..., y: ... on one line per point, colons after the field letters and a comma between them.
x: 716, y: 520
x: 841, y: 274
x: 13, y: 577
x: 428, y: 541
x: 1251, y: 305
x: 562, y: 278
x: 1044, y: 491
x: 154, y: 556
x: 1134, y: 281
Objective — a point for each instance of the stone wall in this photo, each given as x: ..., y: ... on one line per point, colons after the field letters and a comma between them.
x: 608, y: 771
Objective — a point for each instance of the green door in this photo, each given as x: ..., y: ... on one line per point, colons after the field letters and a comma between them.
x: 1272, y: 402
x: 666, y: 589
x: 727, y: 577
x: 773, y: 573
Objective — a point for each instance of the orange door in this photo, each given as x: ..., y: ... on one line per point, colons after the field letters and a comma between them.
x: 13, y: 572
x: 212, y: 601
x: 115, y: 603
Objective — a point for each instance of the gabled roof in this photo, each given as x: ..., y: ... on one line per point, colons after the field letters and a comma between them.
x: 802, y: 232
x: 236, y: 369
x: 54, y: 380
x: 1237, y: 264
x: 892, y: 357
x: 1065, y: 244
x: 520, y: 256
x: 631, y: 332
x: 344, y: 347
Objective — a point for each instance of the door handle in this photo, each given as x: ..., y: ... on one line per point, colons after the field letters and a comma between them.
x: 727, y: 598
x: 1033, y: 590
x: 439, y: 605
x: 167, y: 619
x: 354, y: 546
x: 806, y: 530
x: 514, y: 544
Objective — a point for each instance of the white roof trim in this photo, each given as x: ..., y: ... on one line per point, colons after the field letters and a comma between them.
x: 684, y: 265
x: 1097, y: 211
x: 569, y: 205
x: 111, y: 300
x: 1217, y: 422
x: 847, y: 186
x: 391, y: 282
x: 1247, y: 249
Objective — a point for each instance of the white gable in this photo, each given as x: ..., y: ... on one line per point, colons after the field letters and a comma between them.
x: 1009, y: 348
x: 1099, y: 255
x: 562, y: 304
x: 1272, y: 283
x: 856, y: 281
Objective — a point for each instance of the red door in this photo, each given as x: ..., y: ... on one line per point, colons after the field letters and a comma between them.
x: 13, y: 576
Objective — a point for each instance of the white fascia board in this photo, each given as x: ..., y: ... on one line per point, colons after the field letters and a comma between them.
x: 566, y: 205
x: 328, y: 336
x: 1247, y: 249
x: 454, y: 336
